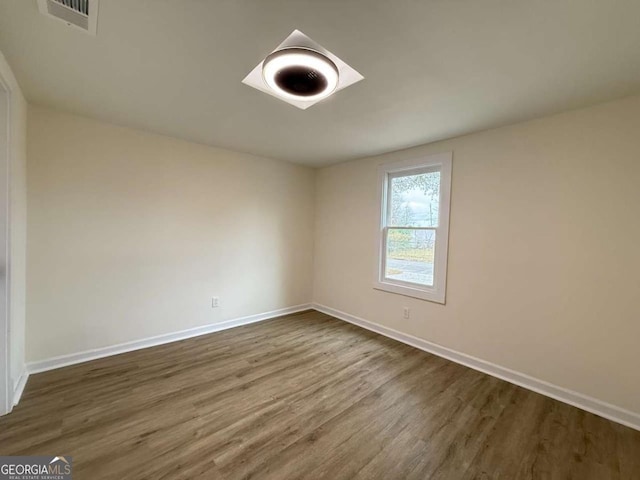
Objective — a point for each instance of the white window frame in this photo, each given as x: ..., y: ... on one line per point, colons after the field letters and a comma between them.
x: 438, y: 162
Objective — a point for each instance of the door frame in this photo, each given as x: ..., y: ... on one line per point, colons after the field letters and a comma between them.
x: 6, y: 382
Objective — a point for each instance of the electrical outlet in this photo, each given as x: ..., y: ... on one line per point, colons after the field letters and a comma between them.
x: 406, y: 313
x: 215, y: 302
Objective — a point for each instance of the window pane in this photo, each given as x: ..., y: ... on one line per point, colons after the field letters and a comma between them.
x: 410, y: 255
x: 414, y: 200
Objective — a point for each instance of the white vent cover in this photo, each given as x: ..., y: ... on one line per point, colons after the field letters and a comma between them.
x: 82, y: 14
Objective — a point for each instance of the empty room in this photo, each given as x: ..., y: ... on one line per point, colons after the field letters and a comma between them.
x: 357, y: 239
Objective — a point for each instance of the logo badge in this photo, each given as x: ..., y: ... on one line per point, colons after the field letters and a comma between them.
x: 35, y: 468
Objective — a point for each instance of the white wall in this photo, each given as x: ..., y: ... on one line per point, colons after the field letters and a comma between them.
x: 544, y: 251
x: 18, y: 221
x: 131, y: 234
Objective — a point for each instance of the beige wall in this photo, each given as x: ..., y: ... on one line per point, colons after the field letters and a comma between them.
x: 544, y: 257
x: 131, y: 234
x: 18, y: 221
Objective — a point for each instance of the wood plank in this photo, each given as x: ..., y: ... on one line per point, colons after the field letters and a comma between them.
x: 306, y: 396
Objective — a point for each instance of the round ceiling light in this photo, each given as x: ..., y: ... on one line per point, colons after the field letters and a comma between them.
x: 300, y: 74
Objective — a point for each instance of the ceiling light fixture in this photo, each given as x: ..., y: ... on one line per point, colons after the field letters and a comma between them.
x: 300, y: 74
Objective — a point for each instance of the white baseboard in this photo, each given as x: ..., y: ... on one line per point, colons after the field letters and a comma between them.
x: 19, y: 386
x: 590, y: 404
x: 74, y: 358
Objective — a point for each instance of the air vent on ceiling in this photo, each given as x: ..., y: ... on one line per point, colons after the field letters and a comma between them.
x: 82, y: 14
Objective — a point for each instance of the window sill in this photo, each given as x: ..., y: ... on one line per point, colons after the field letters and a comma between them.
x: 429, y: 295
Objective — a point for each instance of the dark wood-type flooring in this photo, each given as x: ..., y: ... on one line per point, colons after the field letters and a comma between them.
x: 306, y: 396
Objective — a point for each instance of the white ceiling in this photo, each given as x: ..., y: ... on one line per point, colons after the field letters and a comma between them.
x: 433, y: 68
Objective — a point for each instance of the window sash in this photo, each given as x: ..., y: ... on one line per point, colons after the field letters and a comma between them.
x: 400, y: 174
x: 385, y: 244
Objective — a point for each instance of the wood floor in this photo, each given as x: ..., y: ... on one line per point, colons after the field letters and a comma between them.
x: 306, y: 396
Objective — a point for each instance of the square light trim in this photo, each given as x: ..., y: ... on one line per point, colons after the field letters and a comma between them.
x: 347, y: 75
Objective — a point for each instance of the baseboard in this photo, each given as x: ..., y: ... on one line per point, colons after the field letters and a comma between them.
x: 590, y: 404
x: 81, y: 357
x: 19, y: 386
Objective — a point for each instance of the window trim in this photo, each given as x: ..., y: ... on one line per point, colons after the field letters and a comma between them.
x: 386, y: 171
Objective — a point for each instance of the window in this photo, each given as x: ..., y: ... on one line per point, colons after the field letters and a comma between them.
x: 414, y: 227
